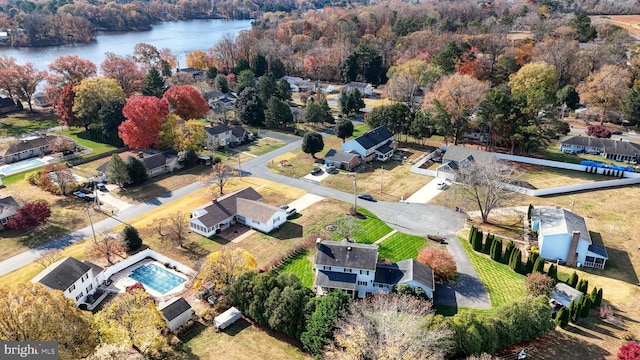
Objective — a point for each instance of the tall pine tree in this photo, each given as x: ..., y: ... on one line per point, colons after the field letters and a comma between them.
x: 154, y: 84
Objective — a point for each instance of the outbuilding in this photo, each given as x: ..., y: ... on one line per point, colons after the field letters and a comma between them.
x: 227, y: 318
x: 176, y: 313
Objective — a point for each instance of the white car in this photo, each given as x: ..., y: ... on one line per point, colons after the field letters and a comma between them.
x: 442, y: 185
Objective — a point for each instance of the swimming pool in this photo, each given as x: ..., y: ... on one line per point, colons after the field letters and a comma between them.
x: 157, y: 278
x: 21, y: 166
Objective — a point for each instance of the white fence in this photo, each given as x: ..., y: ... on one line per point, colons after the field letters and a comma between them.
x: 563, y: 165
x: 147, y: 253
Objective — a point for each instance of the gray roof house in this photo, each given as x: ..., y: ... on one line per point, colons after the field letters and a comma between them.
x: 612, y: 149
x: 26, y: 148
x: 354, y: 268
x: 176, y: 313
x: 375, y: 144
x: 8, y: 208
x: 341, y: 159
x: 240, y: 207
x: 563, y: 236
x: 156, y: 162
x: 456, y: 157
x: 365, y: 89
x: 7, y: 105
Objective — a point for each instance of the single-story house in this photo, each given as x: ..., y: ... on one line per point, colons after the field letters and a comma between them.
x: 618, y: 150
x: 240, y: 207
x: 563, y: 236
x: 8, y: 208
x: 375, y: 144
x: 198, y: 75
x: 76, y: 279
x: 26, y: 148
x: 297, y: 84
x: 176, y: 313
x: 354, y: 268
x: 456, y: 157
x: 563, y: 294
x: 365, y: 89
x: 156, y: 162
x: 340, y: 159
x: 7, y: 105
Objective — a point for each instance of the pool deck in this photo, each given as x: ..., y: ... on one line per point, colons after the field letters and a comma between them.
x: 19, y: 166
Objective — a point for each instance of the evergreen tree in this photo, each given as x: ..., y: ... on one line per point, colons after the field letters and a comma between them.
x: 488, y: 243
x: 212, y: 73
x: 320, y: 323
x: 110, y: 116
x: 136, y: 171
x: 529, y: 210
x: 312, y: 143
x: 222, y: 84
x: 574, y: 312
x: 131, y: 238
x: 246, y: 79
x: 477, y: 241
x: 573, y: 280
x: 598, y: 298
x: 351, y: 102
x: 283, y: 90
x: 531, y: 260
x: 538, y: 266
x: 117, y: 171
x: 515, y: 263
x: 276, y: 67
x: 259, y: 65
x: 343, y: 129
x: 496, y: 250
x: 277, y: 114
x: 562, y: 318
x: 507, y: 252
x: 267, y: 87
x: 154, y: 84
x: 586, y: 306
x: 472, y: 234
x: 249, y: 108
x: 553, y: 272
x: 631, y: 105
x: 594, y: 296
x: 241, y: 65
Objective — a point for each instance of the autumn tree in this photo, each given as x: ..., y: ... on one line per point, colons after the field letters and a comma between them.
x: 452, y: 100
x: 191, y: 136
x: 146, y: 54
x: 131, y: 319
x: 49, y: 257
x: 197, y: 59
x: 562, y: 55
x: 66, y: 70
x: 538, y: 284
x: 223, y: 267
x: 117, y: 171
x: 24, y: 80
x: 31, y: 312
x: 61, y: 144
x: 153, y: 84
x: 343, y: 129
x: 108, y: 246
x: 605, y: 89
x: 57, y: 179
x: 186, y: 102
x: 30, y: 215
x: 406, y: 79
x: 389, y: 326
x: 220, y: 174
x: 144, y: 115
x: 7, y: 80
x: 177, y: 228
x: 598, y: 131
x: 64, y: 107
x: 91, y: 95
x: 312, y: 143
x: 536, y: 82
x: 485, y: 183
x: 125, y: 72
x: 277, y: 114
x: 442, y: 263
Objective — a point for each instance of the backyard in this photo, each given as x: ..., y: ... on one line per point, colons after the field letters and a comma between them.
x: 24, y: 122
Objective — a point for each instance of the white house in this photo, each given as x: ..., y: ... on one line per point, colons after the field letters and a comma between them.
x: 609, y: 148
x: 563, y: 236
x: 8, y: 208
x: 365, y: 89
x: 176, y: 313
x: 26, y: 148
x: 241, y: 207
x: 76, y: 279
x: 376, y: 144
x: 354, y: 268
x: 456, y: 157
x: 219, y: 135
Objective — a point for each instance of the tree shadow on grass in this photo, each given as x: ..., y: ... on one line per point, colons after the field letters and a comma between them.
x: 288, y: 231
x: 43, y: 235
x: 195, y: 250
x: 577, y: 329
x: 192, y: 332
x: 146, y: 192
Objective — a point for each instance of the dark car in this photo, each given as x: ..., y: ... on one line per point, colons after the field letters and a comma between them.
x: 284, y: 207
x: 316, y: 171
x: 102, y: 187
x: 366, y: 197
x: 616, y: 132
x: 332, y: 170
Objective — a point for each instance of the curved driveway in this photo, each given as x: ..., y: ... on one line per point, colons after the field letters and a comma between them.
x: 411, y: 218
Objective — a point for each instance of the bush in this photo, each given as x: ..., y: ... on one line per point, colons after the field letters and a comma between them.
x: 585, y: 307
x: 562, y: 318
x: 496, y: 250
x: 477, y: 241
x: 598, y: 131
x: 488, y: 243
x: 131, y: 238
x: 515, y: 262
x: 538, y: 284
x: 538, y: 266
x: 553, y: 272
x: 472, y: 234
x: 33, y: 178
x: 573, y: 280
x: 629, y: 351
x: 598, y: 298
x: 583, y: 285
x: 443, y: 265
x: 507, y: 252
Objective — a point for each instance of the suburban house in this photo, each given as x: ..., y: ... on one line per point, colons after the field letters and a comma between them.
x: 376, y: 144
x: 26, y: 148
x: 343, y: 160
x: 223, y: 135
x: 78, y: 280
x: 611, y: 149
x: 198, y: 75
x: 156, y: 162
x: 563, y: 236
x: 176, y: 313
x: 563, y: 294
x: 8, y: 208
x: 354, y: 268
x: 297, y: 84
x: 40, y: 99
x: 365, y: 89
x: 456, y: 157
x: 240, y: 207
x: 218, y: 100
x: 7, y: 105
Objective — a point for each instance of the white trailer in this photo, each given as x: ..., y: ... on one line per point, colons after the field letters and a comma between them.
x: 227, y: 318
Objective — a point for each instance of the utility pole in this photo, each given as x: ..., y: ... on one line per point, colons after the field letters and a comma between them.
x: 355, y: 194
x: 381, y: 178
x: 239, y: 166
x: 86, y: 207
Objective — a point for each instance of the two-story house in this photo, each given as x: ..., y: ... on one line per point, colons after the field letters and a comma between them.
x: 240, y: 207
x: 76, y: 279
x: 457, y: 157
x: 376, y: 144
x: 354, y: 268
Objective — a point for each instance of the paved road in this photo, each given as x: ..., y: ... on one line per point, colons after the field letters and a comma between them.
x: 411, y: 218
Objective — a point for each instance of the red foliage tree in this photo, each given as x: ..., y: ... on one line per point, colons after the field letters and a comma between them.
x: 32, y: 214
x: 125, y: 72
x: 64, y: 108
x: 442, y: 263
x: 598, y: 131
x: 67, y: 70
x: 186, y: 102
x: 136, y: 286
x: 629, y: 351
x: 144, y: 117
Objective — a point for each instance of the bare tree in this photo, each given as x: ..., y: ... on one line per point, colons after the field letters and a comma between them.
x: 158, y: 226
x: 219, y: 176
x: 108, y: 246
x: 389, y: 326
x: 486, y: 183
x: 49, y: 257
x: 60, y: 144
x: 177, y: 229
x: 347, y: 226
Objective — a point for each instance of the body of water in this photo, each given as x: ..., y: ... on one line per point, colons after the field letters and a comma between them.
x: 181, y: 37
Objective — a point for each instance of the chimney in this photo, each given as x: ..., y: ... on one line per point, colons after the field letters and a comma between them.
x: 140, y: 154
x: 349, y: 248
x: 318, y: 241
x: 572, y: 255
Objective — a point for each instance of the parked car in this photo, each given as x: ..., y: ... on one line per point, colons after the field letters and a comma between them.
x: 442, y: 185
x: 332, y: 170
x: 616, y: 132
x: 102, y: 187
x: 366, y: 197
x: 291, y: 212
x: 284, y: 207
x: 316, y: 171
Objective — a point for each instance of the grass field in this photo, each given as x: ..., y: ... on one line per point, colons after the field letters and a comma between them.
x: 401, y: 246
x: 262, y: 146
x: 371, y: 229
x: 98, y: 148
x: 503, y: 284
x: 23, y: 122
x: 301, y: 266
x: 541, y: 177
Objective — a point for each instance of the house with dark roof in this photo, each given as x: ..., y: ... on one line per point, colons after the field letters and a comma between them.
x: 611, y: 149
x: 8, y: 208
x: 456, y: 157
x: 78, y: 280
x: 219, y: 101
x: 376, y: 144
x: 365, y: 89
x: 343, y: 160
x: 156, y: 162
x: 198, y: 75
x: 240, y: 207
x: 7, y: 105
x: 223, y: 135
x: 26, y: 148
x: 354, y: 268
x: 563, y: 236
x: 176, y: 312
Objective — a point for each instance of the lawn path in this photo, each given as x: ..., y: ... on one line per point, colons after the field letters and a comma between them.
x: 385, y: 237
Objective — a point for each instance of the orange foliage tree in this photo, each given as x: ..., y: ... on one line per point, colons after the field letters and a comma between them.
x: 144, y: 117
x: 442, y: 263
x: 186, y: 102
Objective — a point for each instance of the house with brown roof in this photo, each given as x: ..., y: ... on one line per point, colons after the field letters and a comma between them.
x: 240, y: 207
x: 342, y: 160
x: 8, y: 208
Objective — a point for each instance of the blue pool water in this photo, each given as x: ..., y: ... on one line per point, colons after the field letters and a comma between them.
x: 21, y: 166
x: 157, y: 278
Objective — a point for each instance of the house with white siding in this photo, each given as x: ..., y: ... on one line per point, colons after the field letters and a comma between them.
x: 176, y: 312
x: 78, y: 280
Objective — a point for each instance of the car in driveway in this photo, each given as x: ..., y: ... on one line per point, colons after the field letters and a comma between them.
x: 284, y: 207
x: 442, y: 185
x: 616, y: 132
x: 316, y: 171
x: 291, y: 212
x: 332, y: 170
x: 366, y: 197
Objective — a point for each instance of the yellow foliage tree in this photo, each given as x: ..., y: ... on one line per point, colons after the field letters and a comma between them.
x: 605, y: 88
x: 531, y: 76
x: 197, y: 60
x: 221, y: 268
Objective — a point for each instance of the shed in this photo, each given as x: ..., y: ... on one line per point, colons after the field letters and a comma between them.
x: 563, y: 294
x: 176, y: 313
x: 227, y: 318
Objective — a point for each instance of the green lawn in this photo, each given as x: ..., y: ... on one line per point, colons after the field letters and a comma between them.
x: 371, y: 230
x: 504, y: 285
x: 360, y: 129
x: 300, y: 265
x: 263, y: 146
x: 401, y: 246
x: 23, y: 122
x: 76, y: 134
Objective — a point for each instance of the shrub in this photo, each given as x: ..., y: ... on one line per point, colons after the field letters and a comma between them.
x: 586, y: 306
x: 598, y: 131
x: 496, y: 250
x: 629, y: 351
x: 515, y: 263
x: 538, y: 284
x: 472, y: 234
x: 574, y: 315
x: 553, y: 272
x: 583, y: 285
x: 131, y: 238
x: 488, y: 243
x: 562, y: 318
x: 477, y: 241
x: 442, y: 263
x: 507, y: 252
x: 598, y: 298
x: 538, y: 266
x: 573, y: 280
x: 33, y: 178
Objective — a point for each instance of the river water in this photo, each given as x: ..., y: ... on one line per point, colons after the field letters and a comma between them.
x: 181, y: 37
